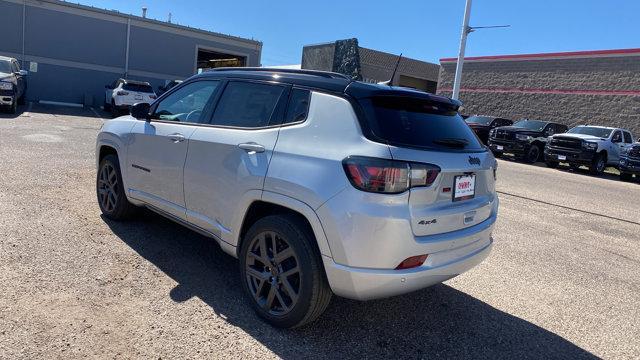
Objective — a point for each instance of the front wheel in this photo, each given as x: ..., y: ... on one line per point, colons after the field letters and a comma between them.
x: 533, y: 154
x: 282, y: 272
x: 625, y: 176
x: 110, y: 190
x: 598, y: 165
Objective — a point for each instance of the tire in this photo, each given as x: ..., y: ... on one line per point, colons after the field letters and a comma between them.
x: 497, y: 154
x: 532, y: 155
x: 22, y: 99
x: 264, y: 276
x: 112, y: 199
x: 552, y: 164
x: 114, y: 110
x: 13, y: 108
x: 106, y: 106
x: 625, y: 176
x: 598, y: 164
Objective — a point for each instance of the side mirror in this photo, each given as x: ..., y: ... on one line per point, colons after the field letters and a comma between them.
x: 140, y: 111
x: 23, y: 73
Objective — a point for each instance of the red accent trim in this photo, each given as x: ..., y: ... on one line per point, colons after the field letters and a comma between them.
x: 548, y: 55
x: 550, y: 91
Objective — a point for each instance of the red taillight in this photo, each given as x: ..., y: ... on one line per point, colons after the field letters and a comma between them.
x: 388, y: 176
x: 412, y: 262
x: 122, y: 93
x: 152, y: 96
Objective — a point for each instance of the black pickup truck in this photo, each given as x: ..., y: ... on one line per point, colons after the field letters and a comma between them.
x: 526, y: 139
x: 481, y: 125
x: 630, y: 162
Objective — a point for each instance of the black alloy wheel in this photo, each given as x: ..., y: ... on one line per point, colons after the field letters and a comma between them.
x: 532, y: 154
x: 110, y: 190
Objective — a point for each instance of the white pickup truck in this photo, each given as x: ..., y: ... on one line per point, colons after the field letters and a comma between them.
x: 594, y: 146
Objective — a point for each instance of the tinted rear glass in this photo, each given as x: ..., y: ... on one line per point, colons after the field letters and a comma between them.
x: 414, y: 122
x: 5, y: 66
x: 138, y: 88
x: 298, y: 106
x: 593, y: 131
x: 247, y: 104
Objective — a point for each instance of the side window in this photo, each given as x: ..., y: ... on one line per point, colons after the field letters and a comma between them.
x: 617, y: 137
x: 627, y: 137
x: 187, y: 104
x: 298, y: 107
x: 247, y: 104
x: 550, y: 130
x: 561, y: 129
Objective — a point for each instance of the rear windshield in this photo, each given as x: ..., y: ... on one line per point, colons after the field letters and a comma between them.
x: 144, y: 88
x: 484, y: 120
x: 414, y: 122
x: 593, y: 131
x: 535, y: 125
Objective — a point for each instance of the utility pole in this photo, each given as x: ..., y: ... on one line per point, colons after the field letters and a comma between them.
x: 463, y: 44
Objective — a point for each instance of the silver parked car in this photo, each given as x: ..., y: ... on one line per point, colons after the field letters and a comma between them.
x: 320, y: 185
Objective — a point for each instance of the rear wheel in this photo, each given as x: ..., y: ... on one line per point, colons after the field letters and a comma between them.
x: 114, y: 110
x: 282, y: 272
x: 13, y: 108
x: 625, y: 176
x: 106, y: 106
x: 598, y: 164
x: 22, y: 99
x: 110, y: 190
x: 533, y: 154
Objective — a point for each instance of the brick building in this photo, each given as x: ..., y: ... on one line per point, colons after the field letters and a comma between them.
x: 586, y: 87
x: 370, y: 65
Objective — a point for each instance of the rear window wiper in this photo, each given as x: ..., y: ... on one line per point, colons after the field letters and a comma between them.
x: 452, y: 142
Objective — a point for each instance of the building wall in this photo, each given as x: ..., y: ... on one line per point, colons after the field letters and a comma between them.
x: 79, y: 49
x: 600, y: 88
x: 376, y: 66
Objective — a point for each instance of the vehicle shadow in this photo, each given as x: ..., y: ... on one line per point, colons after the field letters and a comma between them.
x: 436, y: 322
x: 607, y: 175
x: 5, y: 115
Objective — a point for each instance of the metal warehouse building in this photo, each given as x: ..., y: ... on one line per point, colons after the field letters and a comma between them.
x: 586, y: 87
x: 72, y: 51
x: 346, y: 56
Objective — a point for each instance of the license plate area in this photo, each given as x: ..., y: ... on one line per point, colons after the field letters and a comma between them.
x: 499, y: 147
x: 464, y: 187
x: 562, y: 157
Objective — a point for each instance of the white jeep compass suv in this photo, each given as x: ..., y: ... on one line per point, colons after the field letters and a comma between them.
x: 122, y: 93
x: 320, y: 185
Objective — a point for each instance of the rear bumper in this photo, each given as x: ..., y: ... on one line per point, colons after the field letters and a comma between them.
x: 571, y: 156
x: 367, y: 284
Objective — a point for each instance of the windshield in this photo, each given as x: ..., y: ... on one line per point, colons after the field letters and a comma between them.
x: 5, y: 66
x: 535, y: 125
x: 416, y: 122
x: 143, y: 88
x: 484, y: 120
x: 593, y: 131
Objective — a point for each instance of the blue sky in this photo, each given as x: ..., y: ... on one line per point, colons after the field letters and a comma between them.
x: 421, y: 29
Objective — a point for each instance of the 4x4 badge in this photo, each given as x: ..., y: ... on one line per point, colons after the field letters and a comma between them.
x: 474, y: 160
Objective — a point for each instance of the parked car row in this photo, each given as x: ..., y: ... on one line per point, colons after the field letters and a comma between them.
x: 596, y: 147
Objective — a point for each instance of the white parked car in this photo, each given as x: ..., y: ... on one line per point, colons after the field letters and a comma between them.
x: 319, y: 184
x: 122, y: 93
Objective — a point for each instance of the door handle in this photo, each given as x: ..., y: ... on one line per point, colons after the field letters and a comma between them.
x: 176, y: 138
x: 251, y: 147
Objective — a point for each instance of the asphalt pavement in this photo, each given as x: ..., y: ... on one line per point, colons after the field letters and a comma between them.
x: 563, y: 280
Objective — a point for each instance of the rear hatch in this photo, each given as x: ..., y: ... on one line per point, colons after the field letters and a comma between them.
x: 428, y: 129
x: 138, y: 92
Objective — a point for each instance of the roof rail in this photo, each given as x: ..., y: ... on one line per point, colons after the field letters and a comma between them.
x: 326, y: 74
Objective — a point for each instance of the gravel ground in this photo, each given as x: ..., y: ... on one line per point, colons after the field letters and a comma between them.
x: 563, y: 280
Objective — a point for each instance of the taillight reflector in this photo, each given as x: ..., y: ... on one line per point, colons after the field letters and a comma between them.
x: 412, y: 262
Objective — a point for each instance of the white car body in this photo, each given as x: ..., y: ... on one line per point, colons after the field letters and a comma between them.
x: 123, y: 97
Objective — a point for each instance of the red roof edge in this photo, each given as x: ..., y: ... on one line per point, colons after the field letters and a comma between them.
x: 548, y: 55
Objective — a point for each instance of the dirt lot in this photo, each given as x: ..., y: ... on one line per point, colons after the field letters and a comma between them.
x: 563, y: 280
